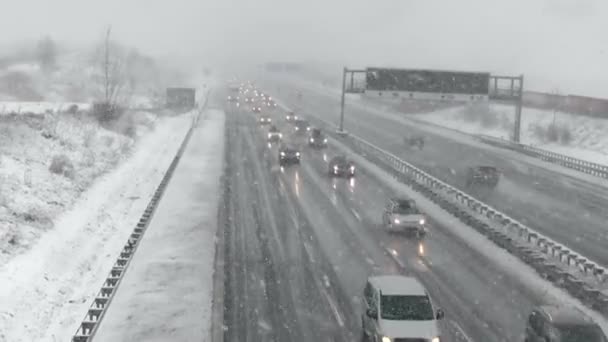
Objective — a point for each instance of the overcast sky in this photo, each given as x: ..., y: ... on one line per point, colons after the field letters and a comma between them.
x: 555, y: 43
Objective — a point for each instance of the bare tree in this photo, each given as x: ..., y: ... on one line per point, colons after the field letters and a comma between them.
x: 113, y: 80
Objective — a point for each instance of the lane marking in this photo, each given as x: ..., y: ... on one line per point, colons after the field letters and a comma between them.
x: 394, y: 255
x: 334, y: 308
x: 356, y: 214
x: 461, y: 331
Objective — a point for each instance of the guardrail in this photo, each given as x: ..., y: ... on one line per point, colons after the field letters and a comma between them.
x: 594, y: 169
x: 89, y: 325
x: 579, y: 276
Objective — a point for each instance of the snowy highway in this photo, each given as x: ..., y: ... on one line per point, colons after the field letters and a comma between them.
x: 566, y: 209
x: 302, y: 244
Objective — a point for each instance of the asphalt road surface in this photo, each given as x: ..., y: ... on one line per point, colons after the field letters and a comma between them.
x: 301, y: 245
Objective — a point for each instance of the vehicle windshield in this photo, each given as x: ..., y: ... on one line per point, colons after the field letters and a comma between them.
x: 487, y: 169
x: 339, y: 160
x: 406, y: 308
x: 577, y: 333
x: 406, y: 207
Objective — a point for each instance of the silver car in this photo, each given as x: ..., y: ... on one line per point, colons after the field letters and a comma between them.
x: 403, y: 215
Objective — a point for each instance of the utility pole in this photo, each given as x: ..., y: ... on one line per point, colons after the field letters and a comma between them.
x: 342, y: 101
x: 518, y: 106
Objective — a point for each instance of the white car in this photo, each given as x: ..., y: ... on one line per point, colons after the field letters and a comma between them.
x: 398, y: 308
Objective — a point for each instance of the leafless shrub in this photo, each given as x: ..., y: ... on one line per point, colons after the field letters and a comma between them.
x: 61, y: 165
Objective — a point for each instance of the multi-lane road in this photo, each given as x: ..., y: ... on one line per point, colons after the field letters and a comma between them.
x: 566, y: 209
x: 300, y: 246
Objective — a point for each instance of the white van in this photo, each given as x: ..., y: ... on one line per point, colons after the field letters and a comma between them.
x: 398, y: 308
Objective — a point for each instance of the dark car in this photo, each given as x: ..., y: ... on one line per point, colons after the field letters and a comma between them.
x: 483, y: 175
x: 550, y: 323
x: 249, y: 99
x: 271, y: 104
x: 256, y: 109
x: 339, y: 166
x: 415, y: 141
x: 232, y: 98
x: 317, y: 139
x: 291, y: 117
x: 288, y: 155
x: 301, y: 126
x: 274, y: 135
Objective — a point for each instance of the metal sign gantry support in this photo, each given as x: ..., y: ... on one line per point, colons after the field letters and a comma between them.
x: 350, y: 88
x: 514, y: 93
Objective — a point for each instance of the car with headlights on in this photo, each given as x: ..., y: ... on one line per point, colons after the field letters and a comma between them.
x: 274, y: 135
x: 288, y: 155
x: 291, y: 117
x: 256, y: 109
x: 402, y: 214
x: 339, y: 166
x: 271, y: 104
x: 265, y: 120
x: 317, y: 139
x: 398, y: 308
x: 301, y: 126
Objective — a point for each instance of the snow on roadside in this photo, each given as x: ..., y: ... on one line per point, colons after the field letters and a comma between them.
x: 587, y: 138
x: 31, y: 196
x: 47, y: 288
x: 21, y: 107
x: 505, y: 262
x: 166, y: 293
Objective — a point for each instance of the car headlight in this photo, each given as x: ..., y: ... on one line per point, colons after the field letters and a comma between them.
x: 352, y: 168
x: 435, y: 339
x: 297, y: 128
x: 397, y: 221
x: 308, y: 128
x: 312, y: 140
x: 280, y: 135
x: 269, y: 135
x: 297, y: 154
x: 336, y: 167
x: 325, y: 140
x: 388, y: 339
x: 422, y: 221
x: 282, y: 154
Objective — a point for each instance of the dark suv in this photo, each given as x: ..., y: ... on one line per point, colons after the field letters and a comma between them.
x: 288, y: 155
x: 317, y: 139
x: 483, y: 175
x: 562, y: 324
x: 301, y: 126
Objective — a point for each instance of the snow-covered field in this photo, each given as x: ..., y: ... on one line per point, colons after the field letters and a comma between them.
x: 31, y: 196
x: 167, y: 290
x: 577, y: 136
x: 17, y: 107
x: 60, y: 234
